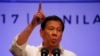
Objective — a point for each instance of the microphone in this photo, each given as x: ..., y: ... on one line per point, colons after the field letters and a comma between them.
x: 56, y: 52
x: 44, y: 52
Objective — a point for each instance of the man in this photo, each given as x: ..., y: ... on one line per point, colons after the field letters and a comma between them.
x: 51, y: 32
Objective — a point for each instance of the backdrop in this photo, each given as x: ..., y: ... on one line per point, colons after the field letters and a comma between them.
x: 82, y: 25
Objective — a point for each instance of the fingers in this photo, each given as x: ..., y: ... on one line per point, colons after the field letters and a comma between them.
x: 40, y: 7
x: 40, y: 10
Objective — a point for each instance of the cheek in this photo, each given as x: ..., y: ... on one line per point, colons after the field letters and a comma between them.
x: 46, y: 36
x: 60, y: 37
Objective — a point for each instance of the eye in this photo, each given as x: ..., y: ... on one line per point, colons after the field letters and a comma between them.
x: 50, y: 28
x: 59, y: 29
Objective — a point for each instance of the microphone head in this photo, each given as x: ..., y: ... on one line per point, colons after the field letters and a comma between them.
x: 56, y: 52
x: 44, y: 52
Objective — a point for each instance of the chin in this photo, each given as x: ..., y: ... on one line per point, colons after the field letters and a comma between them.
x: 54, y: 45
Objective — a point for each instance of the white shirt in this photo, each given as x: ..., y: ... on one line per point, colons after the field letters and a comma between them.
x: 28, y: 50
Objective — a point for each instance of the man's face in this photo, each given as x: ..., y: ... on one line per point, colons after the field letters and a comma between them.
x: 52, y: 33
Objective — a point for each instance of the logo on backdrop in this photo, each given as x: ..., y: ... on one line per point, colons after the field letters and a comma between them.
x: 67, y: 19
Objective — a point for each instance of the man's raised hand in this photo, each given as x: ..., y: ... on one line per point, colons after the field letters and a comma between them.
x: 39, y: 16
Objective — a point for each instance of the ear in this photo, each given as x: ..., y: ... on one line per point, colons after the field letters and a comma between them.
x: 41, y: 33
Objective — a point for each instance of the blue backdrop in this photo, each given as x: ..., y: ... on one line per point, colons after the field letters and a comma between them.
x: 82, y: 25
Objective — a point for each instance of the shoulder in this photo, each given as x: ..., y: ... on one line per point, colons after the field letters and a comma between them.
x: 69, y: 53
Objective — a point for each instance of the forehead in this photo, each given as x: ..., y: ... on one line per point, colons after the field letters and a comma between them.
x: 54, y: 23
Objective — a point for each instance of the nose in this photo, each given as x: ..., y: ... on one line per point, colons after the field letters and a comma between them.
x: 54, y: 33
